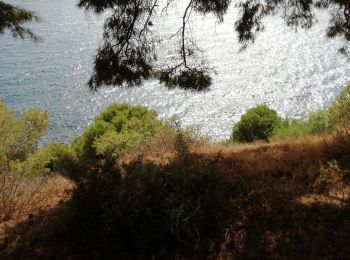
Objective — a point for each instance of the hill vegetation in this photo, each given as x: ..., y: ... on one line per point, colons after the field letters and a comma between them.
x: 133, y: 186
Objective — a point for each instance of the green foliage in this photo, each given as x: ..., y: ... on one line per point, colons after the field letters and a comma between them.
x: 34, y: 165
x: 19, y: 136
x: 83, y: 145
x: 337, y: 115
x: 339, y: 111
x: 262, y: 123
x: 115, y: 131
x: 194, y: 79
x: 20, y: 159
x: 329, y: 176
x: 12, y: 18
x: 112, y: 145
x: 19, y: 142
x: 316, y: 122
x: 146, y: 210
x: 20, y: 181
x: 63, y: 159
x: 257, y: 123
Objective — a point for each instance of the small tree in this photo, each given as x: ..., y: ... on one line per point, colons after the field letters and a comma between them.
x: 115, y: 131
x: 19, y: 158
x: 257, y: 123
x: 339, y: 111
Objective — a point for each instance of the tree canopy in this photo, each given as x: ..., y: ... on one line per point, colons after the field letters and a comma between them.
x: 12, y: 18
x: 128, y: 54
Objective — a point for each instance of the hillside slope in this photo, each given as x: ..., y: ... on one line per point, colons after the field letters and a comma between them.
x: 291, y: 201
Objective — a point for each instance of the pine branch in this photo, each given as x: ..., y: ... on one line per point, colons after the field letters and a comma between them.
x: 12, y: 19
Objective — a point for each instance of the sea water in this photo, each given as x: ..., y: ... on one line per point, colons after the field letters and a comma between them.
x: 292, y: 72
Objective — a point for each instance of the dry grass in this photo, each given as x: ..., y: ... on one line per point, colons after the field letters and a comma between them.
x: 294, y: 162
x: 289, y: 166
x: 283, y: 206
x: 164, y: 146
x: 26, y: 198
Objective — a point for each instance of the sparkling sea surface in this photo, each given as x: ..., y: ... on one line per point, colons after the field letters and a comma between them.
x: 292, y: 72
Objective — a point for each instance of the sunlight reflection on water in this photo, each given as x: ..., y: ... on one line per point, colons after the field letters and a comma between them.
x: 291, y: 72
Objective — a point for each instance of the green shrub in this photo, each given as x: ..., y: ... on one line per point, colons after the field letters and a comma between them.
x: 149, y: 210
x: 339, y: 110
x: 115, y: 131
x: 19, y: 136
x: 316, y: 122
x: 330, y: 176
x: 63, y: 159
x: 20, y: 159
x: 257, y: 123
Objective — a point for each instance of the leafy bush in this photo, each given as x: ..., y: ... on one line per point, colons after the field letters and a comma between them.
x: 329, y: 177
x: 257, y: 123
x: 320, y: 121
x: 316, y: 122
x: 19, y: 158
x: 115, y: 131
x: 339, y: 111
x: 21, y: 181
x: 63, y: 159
x: 20, y: 136
x: 147, y: 210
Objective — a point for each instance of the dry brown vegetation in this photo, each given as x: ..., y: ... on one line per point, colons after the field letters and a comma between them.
x: 23, y: 196
x: 297, y: 204
x: 26, y: 203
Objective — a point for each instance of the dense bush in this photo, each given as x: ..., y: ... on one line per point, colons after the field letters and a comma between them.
x: 19, y: 158
x: 330, y: 177
x: 63, y: 159
x: 316, y: 122
x: 257, y: 123
x: 115, y: 131
x: 263, y: 123
x: 147, y: 210
x: 339, y: 111
x: 152, y: 212
x: 19, y: 136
